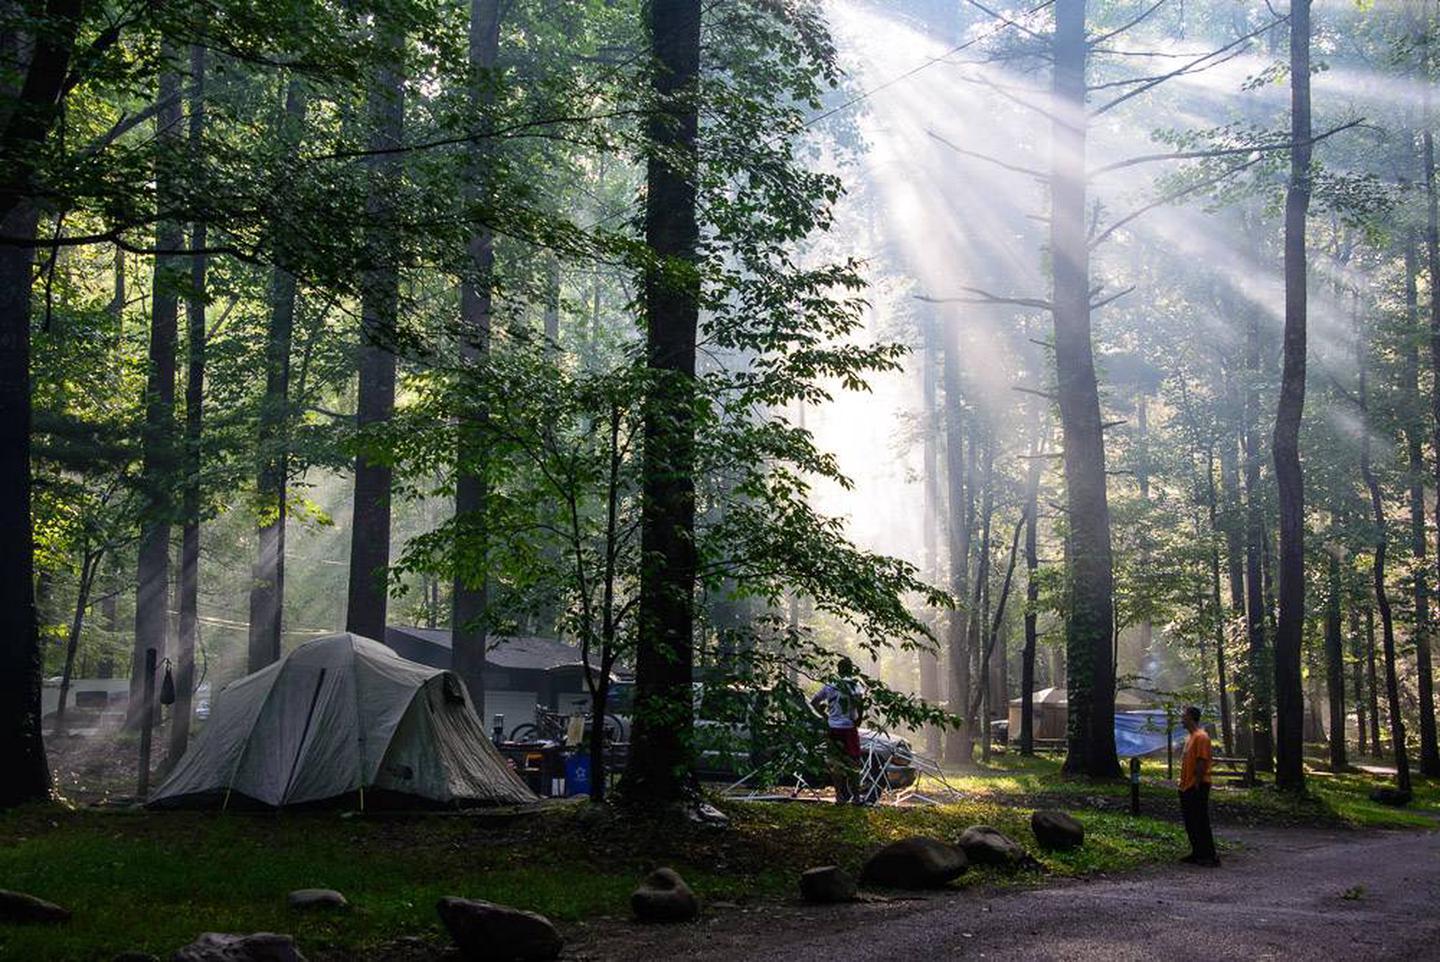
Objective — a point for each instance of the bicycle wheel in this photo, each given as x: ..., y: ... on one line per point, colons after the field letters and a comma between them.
x: 524, y: 733
x: 614, y: 729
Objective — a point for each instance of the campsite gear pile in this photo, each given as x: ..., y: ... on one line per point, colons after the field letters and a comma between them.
x: 342, y: 717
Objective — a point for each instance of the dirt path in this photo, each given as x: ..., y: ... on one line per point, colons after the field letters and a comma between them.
x: 1287, y: 894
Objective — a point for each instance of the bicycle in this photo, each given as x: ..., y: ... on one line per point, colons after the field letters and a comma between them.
x: 551, y: 726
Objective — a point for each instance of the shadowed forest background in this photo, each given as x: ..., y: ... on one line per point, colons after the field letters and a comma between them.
x: 997, y: 347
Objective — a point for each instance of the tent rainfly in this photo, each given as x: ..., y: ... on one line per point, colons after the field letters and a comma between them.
x: 342, y: 715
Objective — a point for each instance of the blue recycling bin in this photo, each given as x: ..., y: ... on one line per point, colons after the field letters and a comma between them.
x: 577, y: 774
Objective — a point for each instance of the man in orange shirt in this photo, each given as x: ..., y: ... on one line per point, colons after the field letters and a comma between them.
x: 1195, y: 791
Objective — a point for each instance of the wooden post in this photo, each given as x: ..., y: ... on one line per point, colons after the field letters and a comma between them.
x: 1135, y: 786
x: 1169, y: 742
x: 147, y: 723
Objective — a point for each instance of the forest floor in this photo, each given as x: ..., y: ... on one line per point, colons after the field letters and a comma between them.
x: 152, y: 881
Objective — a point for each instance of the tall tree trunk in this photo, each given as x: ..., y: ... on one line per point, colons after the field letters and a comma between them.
x: 930, y: 434
x: 660, y: 741
x: 1335, y: 663
x: 1375, y: 746
x: 1382, y: 598
x: 1032, y: 600
x: 1090, y: 577
x: 469, y: 599
x: 1258, y: 674
x: 1289, y: 482
x: 22, y: 748
x: 980, y: 604
x: 158, y: 460
x: 1415, y: 417
x: 189, y: 637
x: 89, y: 565
x: 1357, y: 673
x: 380, y: 296
x: 959, y: 742
x: 267, y: 575
x: 1430, y: 760
x: 1221, y: 673
x: 1145, y: 629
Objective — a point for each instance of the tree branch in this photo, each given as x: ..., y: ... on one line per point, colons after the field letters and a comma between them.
x: 985, y: 297
x: 1030, y: 171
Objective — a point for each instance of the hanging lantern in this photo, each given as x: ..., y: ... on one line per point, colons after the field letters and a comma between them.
x: 167, y: 687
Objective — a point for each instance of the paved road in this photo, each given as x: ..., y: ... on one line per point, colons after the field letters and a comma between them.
x: 1281, y: 897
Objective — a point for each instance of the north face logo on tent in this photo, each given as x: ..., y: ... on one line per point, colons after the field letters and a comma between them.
x: 402, y: 772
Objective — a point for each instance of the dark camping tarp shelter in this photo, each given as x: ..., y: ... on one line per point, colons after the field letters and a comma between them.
x: 341, y: 717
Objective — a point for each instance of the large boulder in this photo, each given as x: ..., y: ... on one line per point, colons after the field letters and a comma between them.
x: 828, y: 883
x: 914, y: 863
x: 322, y: 899
x: 485, y: 930
x: 664, y: 897
x: 1056, y: 830
x: 19, y: 907
x: 984, y: 845
x: 223, y: 947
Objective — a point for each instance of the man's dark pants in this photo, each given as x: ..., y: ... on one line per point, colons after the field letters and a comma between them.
x: 1195, y: 808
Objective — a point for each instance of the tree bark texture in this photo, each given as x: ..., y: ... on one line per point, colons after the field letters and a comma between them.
x: 1089, y: 629
x: 158, y: 448
x: 380, y: 295
x: 658, y: 767
x: 267, y: 578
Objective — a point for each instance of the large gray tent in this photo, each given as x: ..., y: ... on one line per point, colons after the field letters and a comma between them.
x: 342, y: 716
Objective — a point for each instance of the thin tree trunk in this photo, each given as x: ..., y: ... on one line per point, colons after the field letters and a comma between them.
x: 1090, y: 626
x: 660, y: 742
x: 1221, y: 677
x: 89, y: 565
x: 1289, y: 482
x: 152, y: 592
x: 1382, y: 598
x: 1357, y: 673
x: 380, y: 295
x: 1032, y: 600
x: 980, y: 603
x: 1258, y: 674
x: 189, y: 637
x: 1335, y: 664
x: 1375, y: 746
x: 959, y: 742
x: 929, y: 658
x: 469, y: 599
x: 267, y: 580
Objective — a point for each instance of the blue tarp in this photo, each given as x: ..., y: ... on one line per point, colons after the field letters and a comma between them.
x: 1143, y: 733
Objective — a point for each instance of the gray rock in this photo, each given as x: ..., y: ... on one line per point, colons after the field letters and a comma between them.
x: 485, y: 930
x: 984, y: 845
x: 1056, y: 830
x: 914, y: 863
x: 305, y: 899
x: 664, y: 897
x: 223, y: 947
x: 19, y: 907
x: 828, y: 883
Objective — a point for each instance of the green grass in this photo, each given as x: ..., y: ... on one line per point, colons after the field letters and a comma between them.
x: 1341, y: 800
x: 153, y: 881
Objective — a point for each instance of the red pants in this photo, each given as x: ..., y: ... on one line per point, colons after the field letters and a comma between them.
x: 847, y: 741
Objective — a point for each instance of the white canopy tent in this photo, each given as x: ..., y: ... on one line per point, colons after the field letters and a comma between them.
x: 342, y: 715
